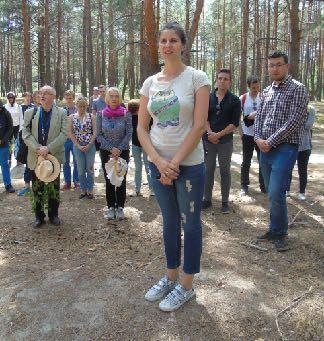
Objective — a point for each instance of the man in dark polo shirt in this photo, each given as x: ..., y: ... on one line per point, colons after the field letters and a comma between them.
x: 223, y: 118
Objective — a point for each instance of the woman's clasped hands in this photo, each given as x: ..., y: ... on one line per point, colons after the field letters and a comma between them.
x: 169, y: 170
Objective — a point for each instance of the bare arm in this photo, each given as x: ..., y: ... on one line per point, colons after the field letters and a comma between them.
x: 198, y: 128
x: 71, y: 135
x: 94, y: 129
x: 143, y: 130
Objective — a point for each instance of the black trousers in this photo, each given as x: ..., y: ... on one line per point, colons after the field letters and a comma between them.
x: 249, y: 145
x: 302, y: 164
x: 115, y: 196
x: 38, y: 189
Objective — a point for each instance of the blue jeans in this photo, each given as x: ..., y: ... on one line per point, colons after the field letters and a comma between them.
x: 85, y: 162
x: 276, y: 167
x: 180, y: 204
x: 68, y: 147
x: 137, y: 155
x: 4, y: 164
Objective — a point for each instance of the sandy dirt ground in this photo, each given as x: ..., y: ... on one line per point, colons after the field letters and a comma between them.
x: 86, y: 279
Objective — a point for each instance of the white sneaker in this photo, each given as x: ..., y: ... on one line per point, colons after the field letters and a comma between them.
x: 176, y: 298
x: 302, y: 196
x: 110, y: 215
x: 120, y: 215
x: 163, y: 287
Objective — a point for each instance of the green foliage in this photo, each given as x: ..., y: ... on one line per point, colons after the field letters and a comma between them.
x: 47, y: 191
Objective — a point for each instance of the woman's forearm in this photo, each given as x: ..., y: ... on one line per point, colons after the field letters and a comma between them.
x: 146, y: 143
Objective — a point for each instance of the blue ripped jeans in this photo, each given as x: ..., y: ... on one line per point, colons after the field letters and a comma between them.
x: 180, y: 205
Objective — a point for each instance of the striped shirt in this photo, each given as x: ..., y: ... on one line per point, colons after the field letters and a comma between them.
x: 282, y: 113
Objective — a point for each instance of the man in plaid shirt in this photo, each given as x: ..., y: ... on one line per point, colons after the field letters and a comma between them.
x: 278, y: 130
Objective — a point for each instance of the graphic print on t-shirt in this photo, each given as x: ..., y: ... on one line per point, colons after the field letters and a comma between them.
x: 166, y: 107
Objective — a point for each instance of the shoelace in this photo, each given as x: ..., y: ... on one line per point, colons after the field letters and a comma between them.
x: 176, y: 295
x: 162, y: 283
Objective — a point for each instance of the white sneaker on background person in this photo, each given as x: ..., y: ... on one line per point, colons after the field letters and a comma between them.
x: 302, y: 196
x: 110, y: 215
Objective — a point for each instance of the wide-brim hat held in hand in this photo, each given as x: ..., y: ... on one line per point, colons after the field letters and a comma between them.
x: 47, y: 169
x: 116, y: 170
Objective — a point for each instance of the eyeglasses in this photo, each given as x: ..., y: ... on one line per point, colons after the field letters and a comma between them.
x: 218, y: 108
x: 272, y: 66
x: 254, y: 106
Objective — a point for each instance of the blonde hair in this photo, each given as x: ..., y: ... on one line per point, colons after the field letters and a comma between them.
x: 81, y: 101
x: 69, y: 93
x: 111, y: 89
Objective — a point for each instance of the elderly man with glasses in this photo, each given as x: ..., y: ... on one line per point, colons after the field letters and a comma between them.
x: 44, y: 132
x: 250, y: 103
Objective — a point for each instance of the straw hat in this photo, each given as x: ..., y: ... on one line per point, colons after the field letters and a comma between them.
x: 47, y: 169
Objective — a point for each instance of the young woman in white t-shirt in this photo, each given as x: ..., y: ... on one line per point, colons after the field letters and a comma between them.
x: 177, y: 100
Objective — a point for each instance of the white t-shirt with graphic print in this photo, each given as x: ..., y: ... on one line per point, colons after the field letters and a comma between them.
x: 171, y: 105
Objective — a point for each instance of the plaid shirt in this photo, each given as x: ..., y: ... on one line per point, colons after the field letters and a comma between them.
x: 282, y: 113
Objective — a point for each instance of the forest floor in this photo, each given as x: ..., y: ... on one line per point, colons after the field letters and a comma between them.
x: 86, y: 279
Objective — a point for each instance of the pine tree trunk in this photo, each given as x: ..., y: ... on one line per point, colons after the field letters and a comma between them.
x: 112, y: 64
x: 41, y: 52
x: 258, y: 57
x: 131, y: 63
x: 28, y: 86
x: 90, y: 64
x: 83, y: 74
x: 48, y: 75
x: 245, y: 30
x: 193, y: 31
x: 151, y: 35
x: 58, y: 72
x: 103, y: 47
x: 295, y: 37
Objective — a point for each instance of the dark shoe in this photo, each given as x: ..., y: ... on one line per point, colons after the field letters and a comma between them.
x: 82, y: 195
x: 225, y: 208
x: 206, y: 204
x: 268, y: 236
x: 76, y: 185
x: 90, y: 196
x: 262, y: 189
x: 55, y: 221
x: 281, y: 245
x: 38, y: 223
x: 66, y: 187
x: 10, y: 189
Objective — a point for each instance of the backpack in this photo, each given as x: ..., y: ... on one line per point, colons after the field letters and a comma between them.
x: 22, y: 147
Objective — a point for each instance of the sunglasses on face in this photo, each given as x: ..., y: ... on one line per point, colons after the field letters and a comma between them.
x: 11, y: 97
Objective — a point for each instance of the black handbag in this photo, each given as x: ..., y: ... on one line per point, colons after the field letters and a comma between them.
x: 23, y: 149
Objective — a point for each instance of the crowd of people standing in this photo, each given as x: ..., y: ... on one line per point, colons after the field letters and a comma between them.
x: 178, y: 128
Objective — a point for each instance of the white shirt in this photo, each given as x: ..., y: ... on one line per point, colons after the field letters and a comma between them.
x: 16, y: 114
x: 171, y: 105
x: 247, y: 110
